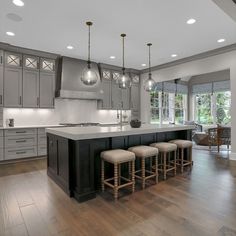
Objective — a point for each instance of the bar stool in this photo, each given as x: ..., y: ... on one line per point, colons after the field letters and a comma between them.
x: 182, y: 145
x: 144, y: 152
x: 165, y: 149
x: 118, y: 157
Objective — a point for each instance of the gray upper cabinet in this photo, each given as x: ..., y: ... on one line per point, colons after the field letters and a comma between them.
x: 47, y: 83
x: 12, y: 87
x: 106, y: 80
x: 116, y: 96
x: 125, y: 98
x: 30, y: 81
x: 1, y: 78
x: 46, y: 89
x: 13, y: 80
x: 135, y: 97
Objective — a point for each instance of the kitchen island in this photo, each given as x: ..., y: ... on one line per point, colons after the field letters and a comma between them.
x: 74, y: 152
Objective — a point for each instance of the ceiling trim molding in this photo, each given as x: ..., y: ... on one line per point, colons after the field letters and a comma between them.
x: 12, y: 48
x: 199, y: 56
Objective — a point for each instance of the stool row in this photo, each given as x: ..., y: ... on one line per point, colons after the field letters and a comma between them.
x: 153, y: 152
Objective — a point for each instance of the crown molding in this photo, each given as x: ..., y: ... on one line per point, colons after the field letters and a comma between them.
x: 12, y: 48
x: 199, y: 56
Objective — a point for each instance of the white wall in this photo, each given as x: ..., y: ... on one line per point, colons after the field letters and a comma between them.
x: 65, y: 111
x: 207, y: 65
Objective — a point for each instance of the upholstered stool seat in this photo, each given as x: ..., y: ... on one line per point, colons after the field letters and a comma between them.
x: 181, y: 160
x: 117, y: 157
x: 145, y: 152
x: 165, y: 149
x: 182, y: 143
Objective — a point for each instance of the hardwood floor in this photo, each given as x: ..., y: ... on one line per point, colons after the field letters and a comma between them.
x: 202, y: 202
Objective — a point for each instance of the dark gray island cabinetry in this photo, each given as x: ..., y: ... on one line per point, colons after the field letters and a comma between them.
x: 74, y: 152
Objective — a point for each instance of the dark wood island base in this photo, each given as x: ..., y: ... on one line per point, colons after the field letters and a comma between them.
x: 75, y: 165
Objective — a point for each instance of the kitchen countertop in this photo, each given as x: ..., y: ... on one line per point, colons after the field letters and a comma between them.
x: 81, y: 133
x: 30, y: 126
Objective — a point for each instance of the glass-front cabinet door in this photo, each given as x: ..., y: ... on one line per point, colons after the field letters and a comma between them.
x: 31, y: 62
x: 13, y: 59
x: 47, y: 65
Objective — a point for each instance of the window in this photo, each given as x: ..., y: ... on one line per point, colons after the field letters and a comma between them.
x: 155, y: 107
x: 213, y: 108
x: 168, y: 108
x: 203, y: 104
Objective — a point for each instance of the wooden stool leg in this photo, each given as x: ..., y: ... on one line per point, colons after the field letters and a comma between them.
x: 175, y: 161
x: 133, y: 176
x: 143, y: 173
x: 151, y: 163
x: 119, y: 171
x: 190, y: 158
x: 102, y: 175
x: 182, y: 160
x: 164, y: 165
x: 116, y: 181
x: 156, y: 167
x: 130, y: 170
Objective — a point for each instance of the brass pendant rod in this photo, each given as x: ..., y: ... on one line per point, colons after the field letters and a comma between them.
x: 89, y: 24
x: 123, y: 52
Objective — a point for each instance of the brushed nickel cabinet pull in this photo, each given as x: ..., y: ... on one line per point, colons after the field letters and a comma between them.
x: 1, y: 60
x: 20, y: 141
x: 23, y: 152
x: 20, y: 100
x: 1, y: 99
x: 20, y: 132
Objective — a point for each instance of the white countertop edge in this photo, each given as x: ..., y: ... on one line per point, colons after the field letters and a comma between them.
x: 30, y: 126
x: 81, y: 134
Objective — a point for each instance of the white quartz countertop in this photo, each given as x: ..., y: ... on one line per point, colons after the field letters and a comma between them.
x: 81, y: 133
x: 30, y: 126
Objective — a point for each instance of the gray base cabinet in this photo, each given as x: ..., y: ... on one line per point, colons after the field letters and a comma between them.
x: 22, y: 143
x: 1, y: 146
x: 1, y: 78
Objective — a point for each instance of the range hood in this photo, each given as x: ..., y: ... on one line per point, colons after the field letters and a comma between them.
x: 69, y: 84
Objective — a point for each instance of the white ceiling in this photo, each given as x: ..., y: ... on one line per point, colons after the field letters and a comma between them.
x: 51, y: 25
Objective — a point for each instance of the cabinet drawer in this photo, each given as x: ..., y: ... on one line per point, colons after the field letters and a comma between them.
x: 42, y: 139
x: 16, y: 153
x: 1, y: 142
x: 41, y: 131
x: 42, y: 150
x: 1, y: 154
x: 1, y: 133
x: 12, y: 132
x: 21, y: 141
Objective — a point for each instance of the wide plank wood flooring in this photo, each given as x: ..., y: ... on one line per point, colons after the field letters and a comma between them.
x: 202, y: 202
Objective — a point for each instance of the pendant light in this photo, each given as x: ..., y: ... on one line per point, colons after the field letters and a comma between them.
x: 124, y: 80
x: 89, y: 76
x: 149, y: 84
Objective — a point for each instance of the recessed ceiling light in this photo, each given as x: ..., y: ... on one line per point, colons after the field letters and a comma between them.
x: 112, y: 57
x: 174, y: 55
x: 18, y: 3
x: 9, y: 33
x: 191, y: 21
x: 143, y: 64
x: 220, y: 40
x: 70, y: 47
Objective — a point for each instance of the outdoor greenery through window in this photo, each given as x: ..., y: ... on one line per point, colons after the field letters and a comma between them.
x: 168, y: 108
x: 213, y: 108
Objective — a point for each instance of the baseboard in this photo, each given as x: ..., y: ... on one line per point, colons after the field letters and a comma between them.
x: 232, y: 156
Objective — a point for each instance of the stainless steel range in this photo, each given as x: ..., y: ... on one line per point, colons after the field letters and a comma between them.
x: 85, y: 124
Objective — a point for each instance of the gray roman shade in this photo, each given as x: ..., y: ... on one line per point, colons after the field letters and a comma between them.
x: 170, y: 87
x: 211, y: 87
x: 221, y: 86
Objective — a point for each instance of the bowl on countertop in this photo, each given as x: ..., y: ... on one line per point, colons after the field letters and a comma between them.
x: 135, y: 123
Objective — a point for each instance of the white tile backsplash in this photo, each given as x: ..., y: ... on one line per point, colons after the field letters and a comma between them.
x: 65, y: 111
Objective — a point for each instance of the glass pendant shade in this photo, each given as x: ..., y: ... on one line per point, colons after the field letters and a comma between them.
x: 124, y: 81
x: 89, y: 76
x: 149, y: 84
